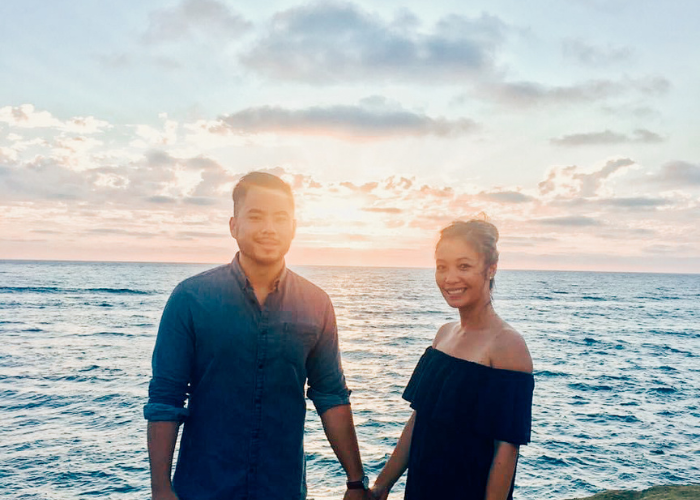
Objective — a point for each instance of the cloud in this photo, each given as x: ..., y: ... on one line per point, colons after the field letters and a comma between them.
x: 161, y: 199
x: 640, y: 136
x: 521, y: 241
x: 365, y: 188
x: 156, y: 178
x: 506, y: 196
x: 383, y: 210
x: 636, y: 111
x: 26, y: 116
x: 338, y: 42
x: 119, y: 231
x: 670, y: 250
x: 635, y: 202
x: 678, y: 173
x: 194, y: 17
x: 364, y: 121
x: 592, y: 55
x: 569, y: 221
x: 151, y: 136
x: 568, y: 182
x: 528, y: 93
x: 193, y: 235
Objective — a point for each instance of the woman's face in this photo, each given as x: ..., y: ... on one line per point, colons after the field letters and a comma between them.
x: 460, y: 273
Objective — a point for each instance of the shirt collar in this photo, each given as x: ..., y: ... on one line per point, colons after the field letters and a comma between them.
x: 242, y: 279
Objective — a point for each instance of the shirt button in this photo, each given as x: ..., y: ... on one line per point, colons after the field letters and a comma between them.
x: 260, y: 365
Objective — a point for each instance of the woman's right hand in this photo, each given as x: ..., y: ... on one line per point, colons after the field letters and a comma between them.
x: 378, y: 493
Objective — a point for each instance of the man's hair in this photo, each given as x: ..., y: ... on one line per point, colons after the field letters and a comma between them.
x: 260, y: 179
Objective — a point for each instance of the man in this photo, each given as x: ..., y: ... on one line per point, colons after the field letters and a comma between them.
x: 239, y: 342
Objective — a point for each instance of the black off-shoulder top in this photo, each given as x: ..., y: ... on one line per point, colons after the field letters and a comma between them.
x: 462, y: 407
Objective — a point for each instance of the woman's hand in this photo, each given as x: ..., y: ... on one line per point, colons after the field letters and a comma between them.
x: 377, y: 492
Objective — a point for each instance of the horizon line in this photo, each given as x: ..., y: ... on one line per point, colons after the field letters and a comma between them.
x: 326, y: 265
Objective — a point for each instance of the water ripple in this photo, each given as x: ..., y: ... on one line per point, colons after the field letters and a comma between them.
x: 615, y: 356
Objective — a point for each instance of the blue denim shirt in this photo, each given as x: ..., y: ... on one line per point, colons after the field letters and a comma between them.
x: 242, y: 370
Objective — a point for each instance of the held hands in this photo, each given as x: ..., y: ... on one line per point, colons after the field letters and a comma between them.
x: 357, y: 495
x: 378, y: 493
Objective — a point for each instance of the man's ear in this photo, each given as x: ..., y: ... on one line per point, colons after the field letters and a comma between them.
x: 232, y: 226
x: 294, y: 228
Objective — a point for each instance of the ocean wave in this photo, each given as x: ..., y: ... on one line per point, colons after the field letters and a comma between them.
x: 614, y: 397
x: 60, y: 290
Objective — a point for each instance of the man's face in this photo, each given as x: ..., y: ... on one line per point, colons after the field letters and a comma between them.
x: 265, y: 225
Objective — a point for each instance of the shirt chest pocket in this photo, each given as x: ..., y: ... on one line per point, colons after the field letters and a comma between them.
x: 298, y: 340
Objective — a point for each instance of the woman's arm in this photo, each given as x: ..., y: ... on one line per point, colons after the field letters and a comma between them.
x: 505, y: 457
x: 510, y: 353
x: 397, y: 464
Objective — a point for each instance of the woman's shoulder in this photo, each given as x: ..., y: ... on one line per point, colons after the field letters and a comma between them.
x: 509, y: 350
x: 444, y: 331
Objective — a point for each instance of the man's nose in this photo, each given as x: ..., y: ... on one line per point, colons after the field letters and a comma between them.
x: 269, y: 225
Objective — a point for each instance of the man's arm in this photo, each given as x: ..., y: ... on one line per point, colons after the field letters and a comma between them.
x: 173, y: 357
x: 340, y: 431
x: 161, y: 446
x: 331, y: 397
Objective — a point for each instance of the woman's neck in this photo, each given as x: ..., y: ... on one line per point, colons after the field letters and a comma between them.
x: 478, y: 316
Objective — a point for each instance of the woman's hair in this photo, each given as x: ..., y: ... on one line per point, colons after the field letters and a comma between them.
x: 479, y: 233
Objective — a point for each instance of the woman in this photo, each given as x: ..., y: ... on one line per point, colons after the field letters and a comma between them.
x: 471, y: 391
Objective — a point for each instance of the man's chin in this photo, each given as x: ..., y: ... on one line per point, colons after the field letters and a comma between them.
x: 268, y: 258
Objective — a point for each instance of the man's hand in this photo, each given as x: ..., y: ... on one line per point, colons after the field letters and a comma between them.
x: 357, y: 495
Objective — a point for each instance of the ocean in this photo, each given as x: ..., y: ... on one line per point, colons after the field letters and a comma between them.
x: 617, y: 369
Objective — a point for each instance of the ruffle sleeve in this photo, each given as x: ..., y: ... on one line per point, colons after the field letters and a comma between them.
x: 492, y: 402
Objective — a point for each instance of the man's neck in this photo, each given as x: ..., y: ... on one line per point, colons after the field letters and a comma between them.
x: 262, y: 277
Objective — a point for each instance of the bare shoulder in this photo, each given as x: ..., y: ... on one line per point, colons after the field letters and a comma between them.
x: 443, y: 332
x: 509, y: 351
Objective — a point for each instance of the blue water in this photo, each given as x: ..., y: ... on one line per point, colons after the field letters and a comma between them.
x: 617, y: 400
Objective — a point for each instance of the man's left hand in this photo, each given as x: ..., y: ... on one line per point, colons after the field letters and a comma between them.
x: 357, y: 495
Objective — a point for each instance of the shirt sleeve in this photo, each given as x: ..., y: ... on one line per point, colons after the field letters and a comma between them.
x: 327, y: 386
x: 172, y: 361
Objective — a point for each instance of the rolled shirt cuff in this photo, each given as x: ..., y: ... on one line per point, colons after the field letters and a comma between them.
x: 323, y: 401
x: 159, y: 412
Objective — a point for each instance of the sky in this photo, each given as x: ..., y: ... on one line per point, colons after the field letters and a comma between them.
x: 573, y: 125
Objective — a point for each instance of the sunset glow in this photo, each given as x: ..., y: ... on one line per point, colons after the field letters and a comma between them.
x: 124, y: 127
